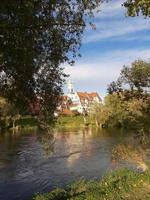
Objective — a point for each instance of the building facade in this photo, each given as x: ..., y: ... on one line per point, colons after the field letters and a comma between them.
x: 80, y: 102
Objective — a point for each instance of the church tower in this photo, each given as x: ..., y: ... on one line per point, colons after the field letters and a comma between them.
x: 70, y: 87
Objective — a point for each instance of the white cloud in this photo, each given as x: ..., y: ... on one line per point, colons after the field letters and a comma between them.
x: 115, y: 28
x: 96, y: 75
x: 144, y: 37
x: 111, y: 9
x: 92, y: 71
x: 96, y: 71
x: 111, y: 21
x: 126, y: 56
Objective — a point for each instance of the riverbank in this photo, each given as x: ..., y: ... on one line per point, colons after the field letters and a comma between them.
x: 73, y: 121
x: 41, y: 163
x: 122, y: 184
x: 29, y: 122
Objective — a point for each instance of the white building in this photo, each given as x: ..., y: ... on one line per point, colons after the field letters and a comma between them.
x: 81, y: 101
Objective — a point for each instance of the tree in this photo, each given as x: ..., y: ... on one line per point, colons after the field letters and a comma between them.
x: 100, y: 114
x: 8, y: 114
x: 135, y: 7
x: 130, y: 102
x: 134, y: 78
x: 36, y: 37
x: 138, y: 76
x: 114, y: 87
x: 3, y: 111
x: 118, y: 109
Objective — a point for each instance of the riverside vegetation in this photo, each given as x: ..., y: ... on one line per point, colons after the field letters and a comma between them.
x: 127, y: 104
x: 122, y: 184
x: 25, y: 47
x: 128, y: 101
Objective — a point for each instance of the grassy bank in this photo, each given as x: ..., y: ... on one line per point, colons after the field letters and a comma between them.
x: 29, y: 122
x: 122, y: 184
x: 25, y: 121
x: 72, y: 121
x: 61, y: 122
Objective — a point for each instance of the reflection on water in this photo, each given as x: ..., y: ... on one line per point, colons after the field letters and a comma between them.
x: 47, y: 142
x: 33, y: 162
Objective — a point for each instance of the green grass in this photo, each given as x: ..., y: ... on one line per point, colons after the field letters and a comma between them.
x: 61, y: 122
x: 27, y: 121
x: 72, y: 121
x: 119, y: 185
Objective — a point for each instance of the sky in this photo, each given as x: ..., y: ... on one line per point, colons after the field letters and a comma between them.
x: 117, y: 41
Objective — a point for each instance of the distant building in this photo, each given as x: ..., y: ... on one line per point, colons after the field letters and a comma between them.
x: 80, y: 102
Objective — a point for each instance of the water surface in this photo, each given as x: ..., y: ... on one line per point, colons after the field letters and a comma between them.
x: 33, y: 162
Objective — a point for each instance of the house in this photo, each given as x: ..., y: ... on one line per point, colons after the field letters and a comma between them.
x: 79, y: 101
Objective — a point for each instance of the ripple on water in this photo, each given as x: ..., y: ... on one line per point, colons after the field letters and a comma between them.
x: 26, y: 169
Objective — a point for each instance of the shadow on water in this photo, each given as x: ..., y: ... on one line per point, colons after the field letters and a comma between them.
x: 32, y: 162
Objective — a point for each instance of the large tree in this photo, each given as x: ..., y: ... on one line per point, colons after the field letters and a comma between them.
x: 133, y: 79
x: 129, y: 96
x: 36, y: 37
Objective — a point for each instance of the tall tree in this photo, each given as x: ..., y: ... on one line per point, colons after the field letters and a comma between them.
x: 130, y: 101
x: 138, y: 76
x: 36, y: 37
x: 134, y: 78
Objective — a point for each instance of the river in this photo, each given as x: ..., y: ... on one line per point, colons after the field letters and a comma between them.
x: 32, y: 162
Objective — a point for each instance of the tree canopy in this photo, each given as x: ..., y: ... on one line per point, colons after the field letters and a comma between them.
x: 128, y: 102
x: 137, y: 7
x: 135, y: 78
x: 129, y: 97
x: 36, y: 37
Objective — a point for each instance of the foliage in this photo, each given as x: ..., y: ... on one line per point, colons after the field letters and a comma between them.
x: 132, y: 113
x: 100, y: 114
x: 47, y: 141
x: 132, y: 155
x: 71, y: 121
x: 134, y: 78
x: 8, y: 114
x: 3, y: 111
x: 27, y: 121
x: 3, y: 107
x: 36, y: 37
x: 136, y: 7
x: 129, y: 98
x: 123, y: 184
x: 118, y: 110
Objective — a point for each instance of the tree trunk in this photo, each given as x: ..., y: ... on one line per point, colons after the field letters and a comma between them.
x: 96, y: 122
x: 14, y: 124
x: 84, y: 118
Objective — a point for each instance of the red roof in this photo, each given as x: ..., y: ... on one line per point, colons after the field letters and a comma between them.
x: 66, y: 112
x: 73, y: 105
x: 63, y: 98
x: 88, y: 96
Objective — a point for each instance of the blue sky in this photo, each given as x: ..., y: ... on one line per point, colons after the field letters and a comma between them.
x: 118, y: 40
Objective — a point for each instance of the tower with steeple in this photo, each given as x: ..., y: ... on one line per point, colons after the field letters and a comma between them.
x: 71, y: 92
x: 70, y: 87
